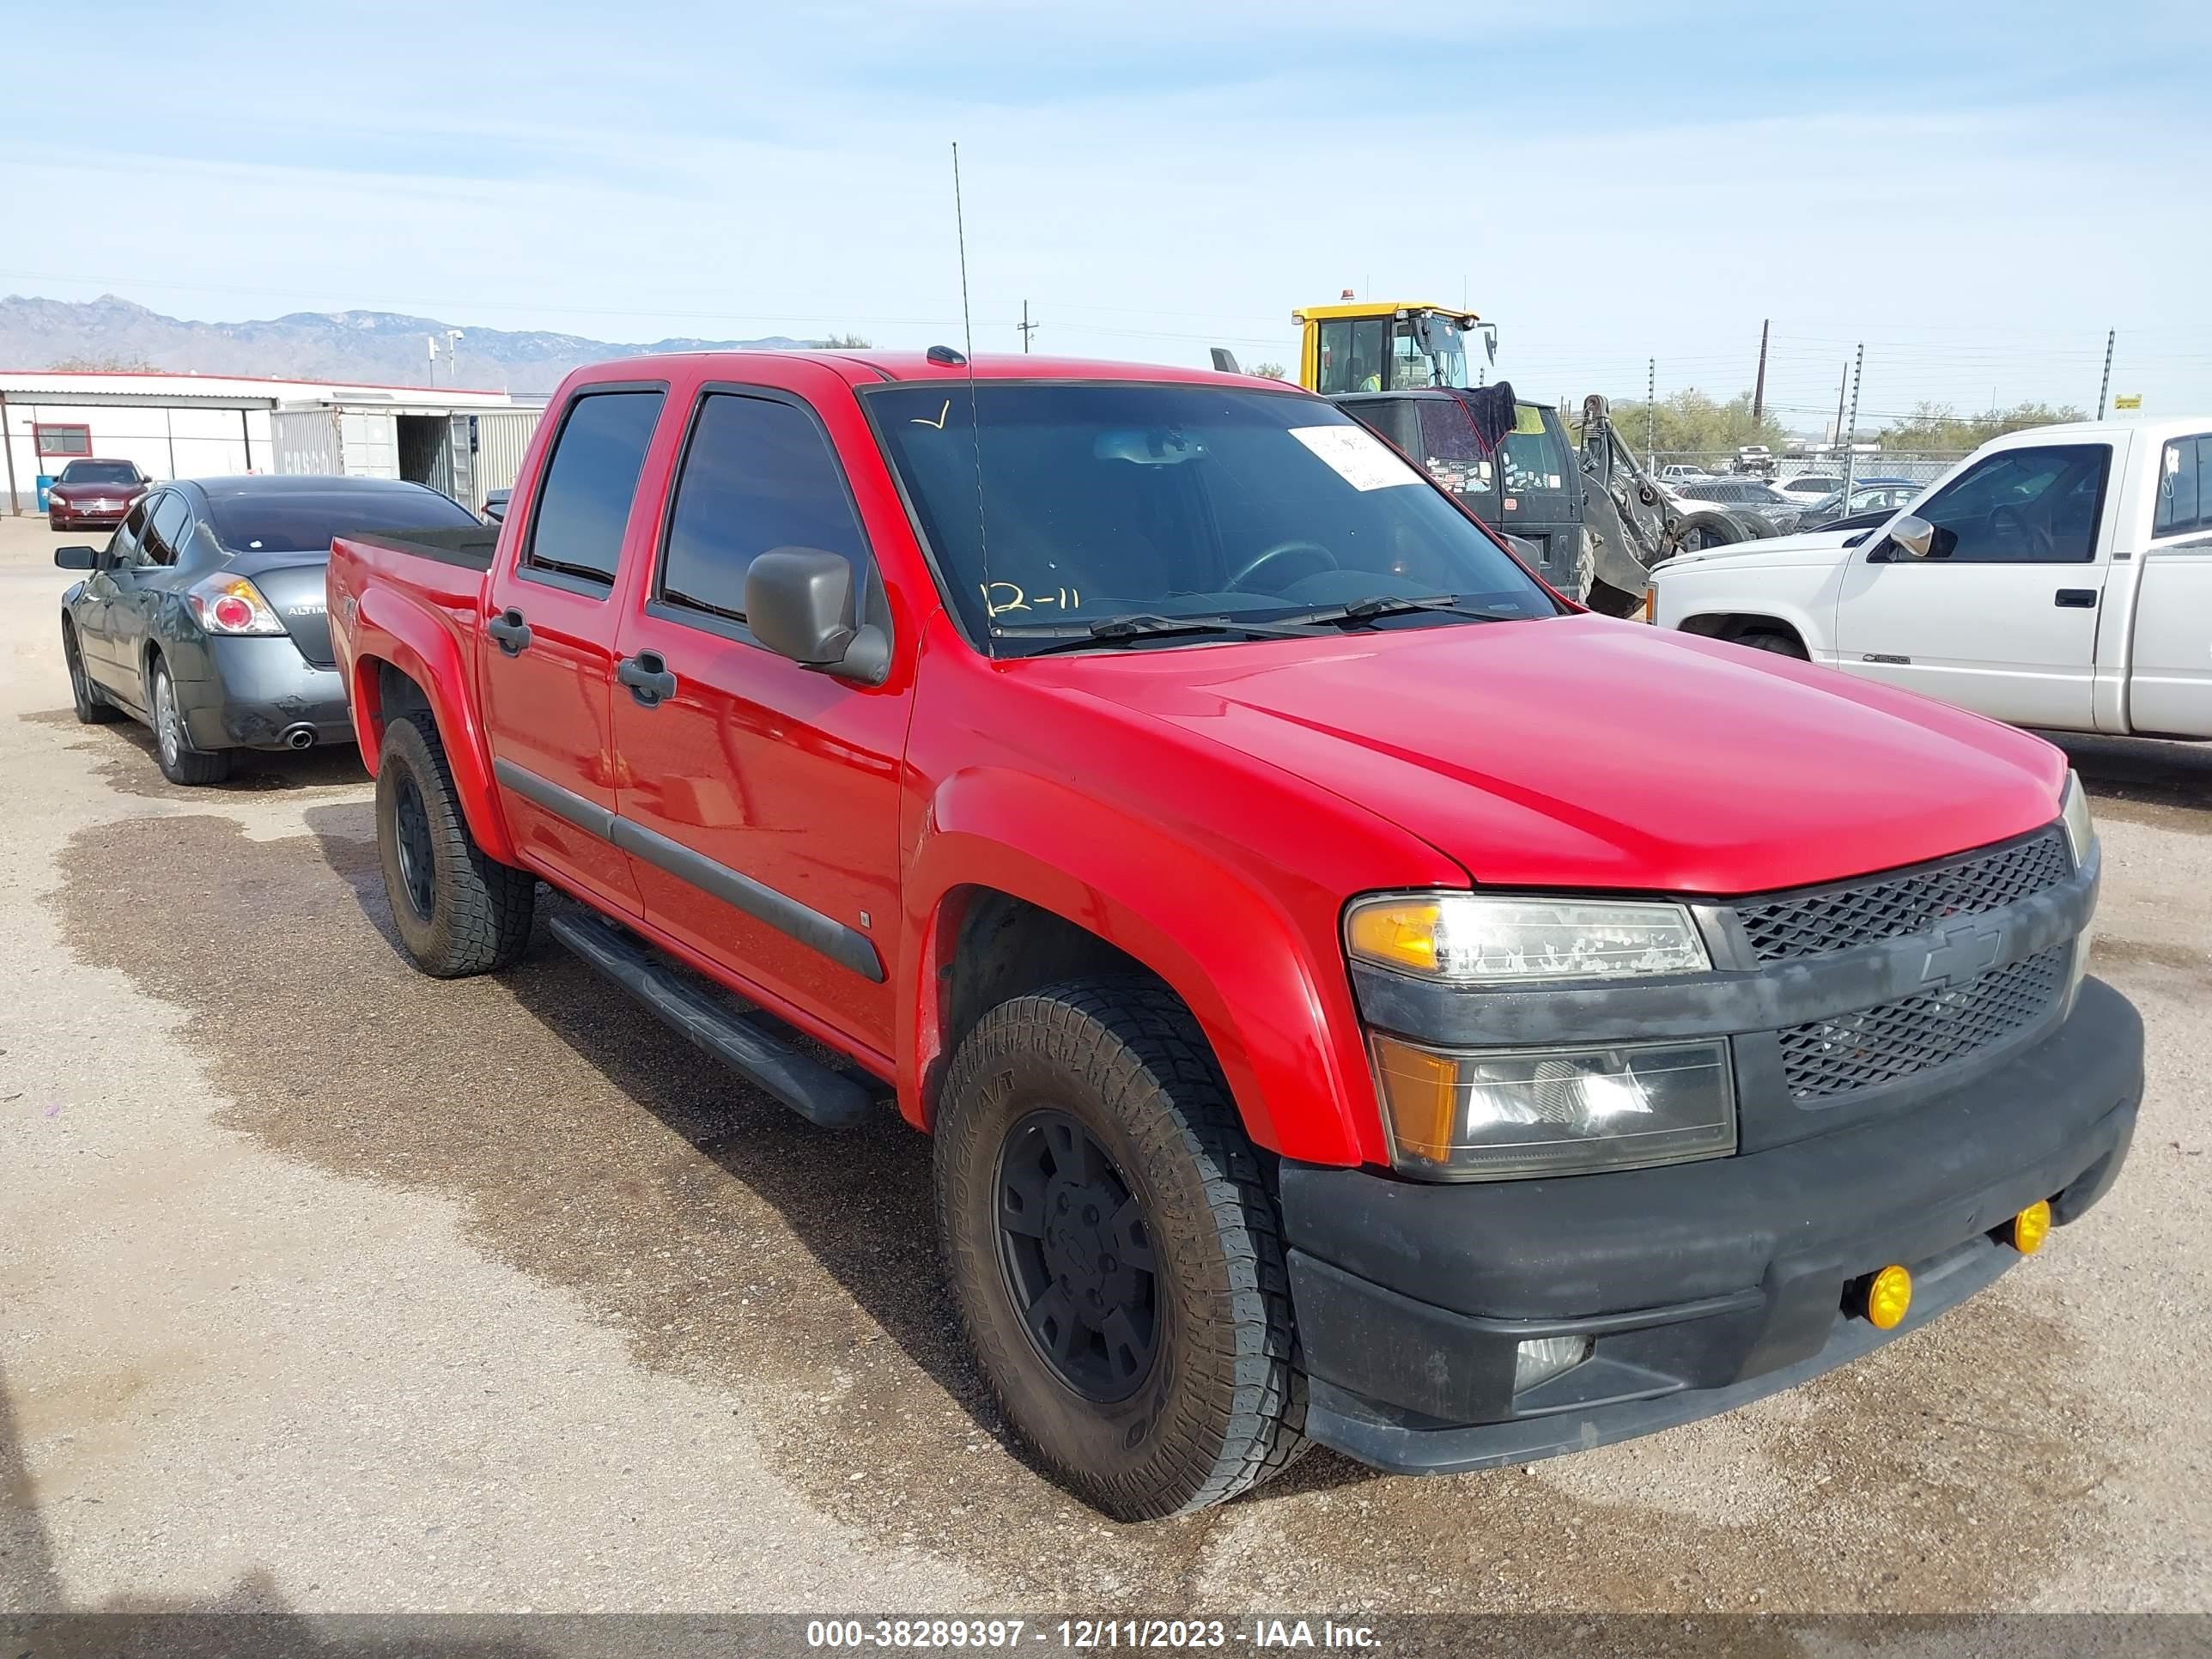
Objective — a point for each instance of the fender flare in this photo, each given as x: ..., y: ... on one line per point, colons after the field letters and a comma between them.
x: 391, y: 629
x: 1281, y: 1025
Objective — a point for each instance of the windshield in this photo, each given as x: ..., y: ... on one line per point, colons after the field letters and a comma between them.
x: 98, y: 472
x: 1104, y: 502
x: 305, y: 521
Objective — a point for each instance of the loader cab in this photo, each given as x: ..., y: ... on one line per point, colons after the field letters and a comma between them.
x: 1388, y: 345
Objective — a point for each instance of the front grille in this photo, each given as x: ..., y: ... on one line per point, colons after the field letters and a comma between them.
x: 1893, y: 907
x: 1895, y: 1039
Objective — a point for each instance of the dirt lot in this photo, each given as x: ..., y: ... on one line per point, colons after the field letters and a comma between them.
x: 330, y: 1287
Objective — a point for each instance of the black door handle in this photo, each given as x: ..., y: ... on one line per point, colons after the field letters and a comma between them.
x: 647, y: 677
x: 2077, y: 599
x: 509, y: 630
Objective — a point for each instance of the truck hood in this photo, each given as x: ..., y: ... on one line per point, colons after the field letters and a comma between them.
x: 1590, y: 753
x: 1811, y: 547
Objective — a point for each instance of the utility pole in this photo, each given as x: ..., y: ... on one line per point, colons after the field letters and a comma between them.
x: 434, y: 360
x: 1651, y: 415
x: 453, y: 355
x: 1843, y: 386
x: 1759, y: 387
x: 1027, y: 327
x: 1850, y: 458
x: 2105, y: 384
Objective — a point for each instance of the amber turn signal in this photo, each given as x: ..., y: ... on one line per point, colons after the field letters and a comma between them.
x: 2031, y: 1227
x: 1889, y: 1294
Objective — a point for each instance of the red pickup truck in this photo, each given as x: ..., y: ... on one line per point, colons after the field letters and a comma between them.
x: 1337, y: 1020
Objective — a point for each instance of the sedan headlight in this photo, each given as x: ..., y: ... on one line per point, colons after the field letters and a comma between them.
x: 1489, y: 1114
x: 1476, y: 938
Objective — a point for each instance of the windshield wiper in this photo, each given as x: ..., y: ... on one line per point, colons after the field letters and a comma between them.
x: 1125, y: 630
x: 1382, y: 605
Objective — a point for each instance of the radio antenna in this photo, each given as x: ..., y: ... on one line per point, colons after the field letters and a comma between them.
x: 975, y: 418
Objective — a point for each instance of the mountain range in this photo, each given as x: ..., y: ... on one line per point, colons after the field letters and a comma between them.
x: 378, y: 347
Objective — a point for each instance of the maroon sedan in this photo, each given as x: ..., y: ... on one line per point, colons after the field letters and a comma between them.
x: 93, y: 494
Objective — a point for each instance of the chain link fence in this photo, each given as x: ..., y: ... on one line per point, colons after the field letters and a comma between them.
x: 1913, y: 466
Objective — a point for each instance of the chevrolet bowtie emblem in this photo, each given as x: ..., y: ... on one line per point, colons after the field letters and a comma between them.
x: 1964, y: 952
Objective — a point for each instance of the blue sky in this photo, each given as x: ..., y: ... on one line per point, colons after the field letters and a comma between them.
x: 1976, y: 192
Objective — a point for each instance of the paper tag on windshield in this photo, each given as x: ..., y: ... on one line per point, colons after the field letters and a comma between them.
x: 1356, y: 455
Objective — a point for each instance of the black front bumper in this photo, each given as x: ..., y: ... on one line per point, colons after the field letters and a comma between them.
x: 1704, y: 1285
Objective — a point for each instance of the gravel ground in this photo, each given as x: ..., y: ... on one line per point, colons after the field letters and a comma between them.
x: 330, y: 1288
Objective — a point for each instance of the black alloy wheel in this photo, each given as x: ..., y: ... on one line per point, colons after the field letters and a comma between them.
x: 1077, y: 1253
x: 418, y: 862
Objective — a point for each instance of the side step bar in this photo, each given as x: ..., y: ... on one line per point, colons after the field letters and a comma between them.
x: 835, y: 1100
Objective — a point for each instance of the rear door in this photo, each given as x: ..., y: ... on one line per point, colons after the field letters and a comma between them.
x: 2169, y: 681
x: 761, y: 801
x: 548, y: 657
x: 2002, y: 618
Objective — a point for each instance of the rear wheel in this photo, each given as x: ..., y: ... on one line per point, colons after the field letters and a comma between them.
x: 1113, y: 1250
x: 180, y: 762
x: 457, y: 909
x: 92, y: 708
x: 1700, y: 531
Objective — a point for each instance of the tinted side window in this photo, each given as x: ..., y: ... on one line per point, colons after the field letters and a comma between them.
x: 2185, y: 468
x: 2023, y: 507
x: 165, y: 532
x: 583, y: 504
x: 757, y: 474
x: 1534, y: 458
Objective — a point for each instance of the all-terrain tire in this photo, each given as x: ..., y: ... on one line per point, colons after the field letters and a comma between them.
x: 1221, y: 1406
x: 92, y: 708
x: 172, y: 744
x: 458, y: 910
x: 1779, y: 642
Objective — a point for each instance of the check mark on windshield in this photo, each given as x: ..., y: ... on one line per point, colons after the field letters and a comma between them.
x: 938, y: 423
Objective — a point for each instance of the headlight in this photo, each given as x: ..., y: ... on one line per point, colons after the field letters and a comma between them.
x: 2081, y: 836
x: 2081, y: 832
x: 1474, y: 939
x: 1486, y: 1116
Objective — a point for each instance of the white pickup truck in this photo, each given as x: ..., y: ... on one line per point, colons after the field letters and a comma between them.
x: 2059, y: 577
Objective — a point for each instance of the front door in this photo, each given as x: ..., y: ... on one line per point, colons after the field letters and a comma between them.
x: 2001, y: 616
x: 760, y: 801
x: 549, y: 650
x: 95, y: 604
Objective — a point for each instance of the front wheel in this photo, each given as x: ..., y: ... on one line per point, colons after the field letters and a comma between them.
x: 457, y: 909
x: 1113, y: 1250
x: 1778, y: 641
x: 180, y: 762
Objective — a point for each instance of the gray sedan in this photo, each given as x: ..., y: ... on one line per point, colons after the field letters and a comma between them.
x: 203, y: 615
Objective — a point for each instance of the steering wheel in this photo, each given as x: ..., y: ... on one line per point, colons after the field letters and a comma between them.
x: 2010, y: 524
x: 1284, y: 550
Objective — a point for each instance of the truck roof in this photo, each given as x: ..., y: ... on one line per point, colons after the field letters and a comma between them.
x: 2172, y: 425
x: 863, y: 366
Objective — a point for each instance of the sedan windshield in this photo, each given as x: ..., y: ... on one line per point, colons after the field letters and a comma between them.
x: 1209, y: 505
x: 305, y: 521
x: 98, y: 472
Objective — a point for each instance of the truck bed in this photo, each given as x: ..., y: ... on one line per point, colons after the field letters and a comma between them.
x: 470, y: 548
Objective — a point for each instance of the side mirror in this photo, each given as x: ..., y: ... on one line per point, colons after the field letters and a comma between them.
x: 1912, y: 536
x: 76, y: 558
x: 800, y: 602
x: 494, y: 507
